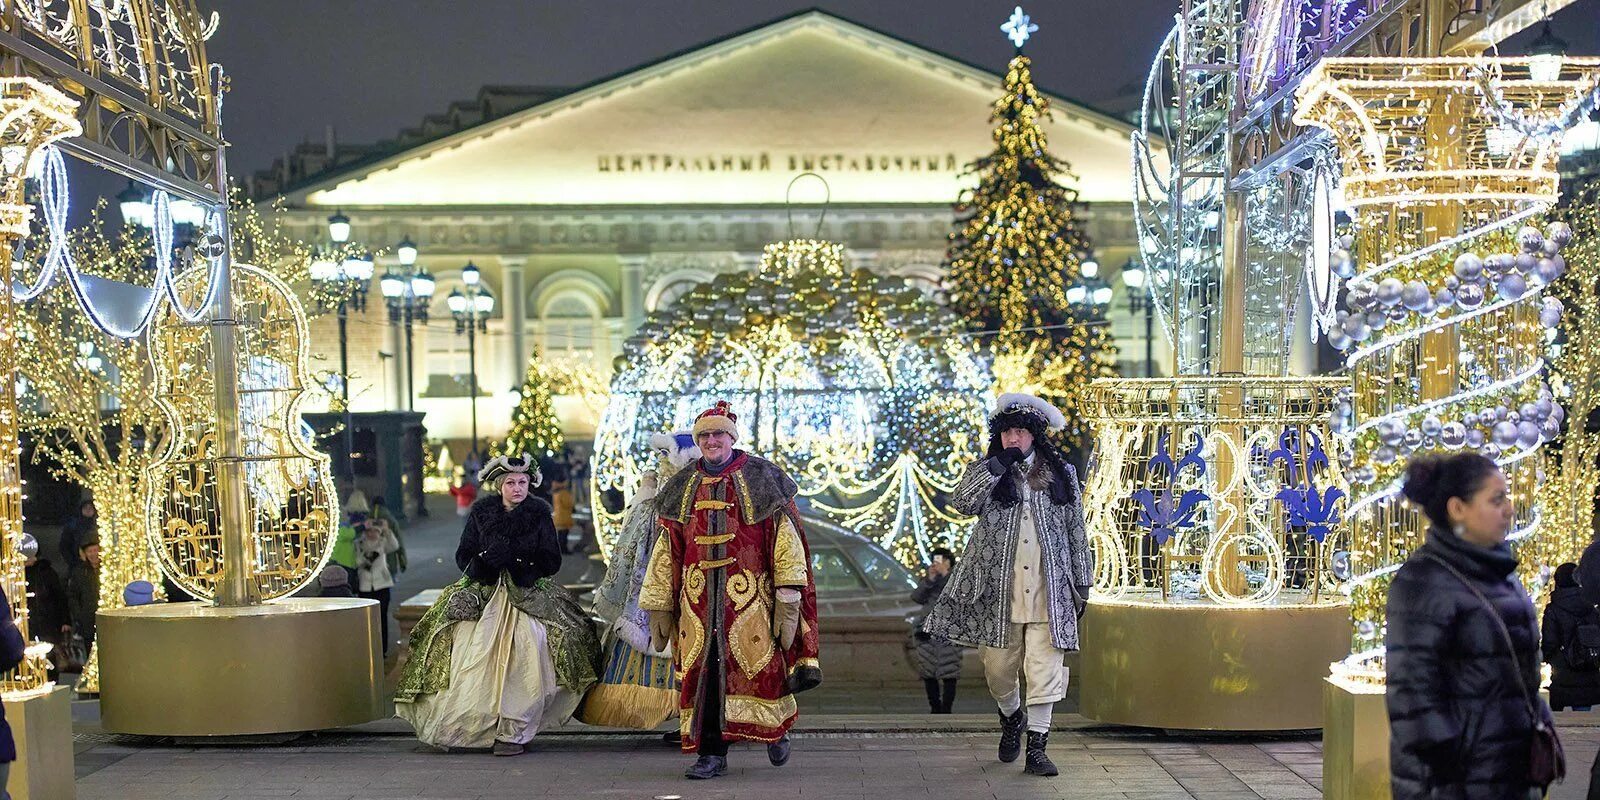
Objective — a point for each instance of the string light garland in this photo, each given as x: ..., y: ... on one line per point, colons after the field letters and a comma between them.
x: 856, y: 383
x: 1015, y: 251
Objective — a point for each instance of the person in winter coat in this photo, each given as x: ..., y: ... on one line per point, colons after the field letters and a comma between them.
x: 1462, y: 704
x: 1575, y: 672
x: 12, y: 651
x: 397, y: 560
x: 333, y: 581
x: 937, y: 659
x: 48, y: 618
x: 465, y: 493
x: 76, y: 530
x: 344, y: 544
x: 505, y: 652
x: 561, y: 505
x: 373, y: 579
x: 83, y: 590
x: 1023, y: 583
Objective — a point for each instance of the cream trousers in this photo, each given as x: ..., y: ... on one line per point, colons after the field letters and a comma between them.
x: 1031, y: 659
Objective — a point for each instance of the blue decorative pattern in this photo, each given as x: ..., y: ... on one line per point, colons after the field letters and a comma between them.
x: 1164, y: 512
x: 1317, y: 511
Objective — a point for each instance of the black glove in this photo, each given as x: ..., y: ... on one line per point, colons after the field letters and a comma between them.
x: 497, y: 554
x: 1080, y: 601
x: 1009, y: 456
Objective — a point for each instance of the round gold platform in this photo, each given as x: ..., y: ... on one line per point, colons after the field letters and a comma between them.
x: 190, y: 669
x: 1212, y: 668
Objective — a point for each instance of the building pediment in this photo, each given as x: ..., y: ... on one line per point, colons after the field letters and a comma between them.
x: 733, y: 122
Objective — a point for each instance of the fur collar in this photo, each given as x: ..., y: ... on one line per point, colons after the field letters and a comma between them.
x: 492, y: 517
x: 761, y: 488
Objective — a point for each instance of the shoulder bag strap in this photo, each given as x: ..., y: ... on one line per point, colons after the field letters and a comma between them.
x: 1505, y: 634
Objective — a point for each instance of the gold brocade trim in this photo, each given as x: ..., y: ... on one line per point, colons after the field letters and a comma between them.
x: 750, y: 639
x: 711, y: 540
x: 691, y: 640
x: 712, y: 505
x: 656, y: 594
x: 788, y: 554
x: 747, y: 503
x: 707, y: 480
x: 815, y: 663
x: 685, y: 721
x: 743, y: 587
x: 756, y: 711
x: 707, y: 566
x: 694, y: 584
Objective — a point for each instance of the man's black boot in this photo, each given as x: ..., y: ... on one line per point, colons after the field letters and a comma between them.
x: 1038, y: 762
x: 778, y: 752
x: 1011, y: 729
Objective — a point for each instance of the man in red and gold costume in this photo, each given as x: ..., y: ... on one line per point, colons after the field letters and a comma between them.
x: 730, y: 577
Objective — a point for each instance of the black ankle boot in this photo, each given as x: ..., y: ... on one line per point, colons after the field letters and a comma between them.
x: 1011, y: 729
x: 1038, y: 762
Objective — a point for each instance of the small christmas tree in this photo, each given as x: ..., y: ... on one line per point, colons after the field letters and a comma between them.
x: 1015, y: 251
x: 534, y: 429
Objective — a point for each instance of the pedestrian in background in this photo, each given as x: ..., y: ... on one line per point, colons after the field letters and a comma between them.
x: 344, y: 544
x: 373, y: 579
x: 333, y: 581
x: 561, y: 503
x: 77, y: 529
x: 1465, y: 719
x: 1570, y: 641
x: 937, y: 659
x: 465, y: 492
x: 48, y: 618
x: 397, y: 559
x: 83, y: 591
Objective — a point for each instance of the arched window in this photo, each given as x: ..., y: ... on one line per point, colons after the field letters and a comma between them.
x: 569, y: 320
x: 669, y: 288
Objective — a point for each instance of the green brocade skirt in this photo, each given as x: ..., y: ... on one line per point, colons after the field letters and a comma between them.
x: 574, y: 645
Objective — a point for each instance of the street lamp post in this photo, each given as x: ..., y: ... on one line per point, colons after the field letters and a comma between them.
x: 347, y: 280
x: 408, y: 293
x: 1133, y: 277
x: 471, y: 311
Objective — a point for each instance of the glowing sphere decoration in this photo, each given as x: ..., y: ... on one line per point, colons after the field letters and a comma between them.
x: 857, y: 384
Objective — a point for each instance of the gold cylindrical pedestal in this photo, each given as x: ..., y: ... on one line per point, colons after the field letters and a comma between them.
x: 1355, y: 742
x: 190, y: 669
x: 1216, y: 668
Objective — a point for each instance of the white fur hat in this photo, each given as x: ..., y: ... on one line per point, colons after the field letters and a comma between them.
x: 679, y: 445
x: 1012, y: 402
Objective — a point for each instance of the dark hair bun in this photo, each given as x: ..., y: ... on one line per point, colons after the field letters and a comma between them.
x: 1422, y: 479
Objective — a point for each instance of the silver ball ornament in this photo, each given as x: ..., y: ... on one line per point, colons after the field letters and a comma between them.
x: 1526, y: 262
x: 1504, y: 433
x: 1559, y: 232
x: 1528, y: 434
x: 1453, y: 435
x: 1385, y: 455
x: 1431, y: 426
x: 1549, y: 429
x: 1415, y: 295
x: 1530, y: 238
x: 1468, y: 266
x: 1469, y: 296
x: 1512, y: 286
x: 1475, y: 438
x: 1389, y: 291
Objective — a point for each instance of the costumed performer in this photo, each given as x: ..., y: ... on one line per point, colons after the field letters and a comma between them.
x: 729, y: 583
x: 1023, y: 582
x: 505, y: 652
x: 637, y: 687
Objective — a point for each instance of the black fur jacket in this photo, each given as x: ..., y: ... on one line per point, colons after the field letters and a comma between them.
x: 521, y: 542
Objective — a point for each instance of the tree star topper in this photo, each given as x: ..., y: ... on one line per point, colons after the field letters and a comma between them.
x: 1019, y: 27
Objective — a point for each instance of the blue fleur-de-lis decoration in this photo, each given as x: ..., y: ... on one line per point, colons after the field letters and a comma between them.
x: 1306, y: 506
x: 1163, y: 512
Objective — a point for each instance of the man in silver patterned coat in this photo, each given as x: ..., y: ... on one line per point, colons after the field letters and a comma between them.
x: 1022, y: 584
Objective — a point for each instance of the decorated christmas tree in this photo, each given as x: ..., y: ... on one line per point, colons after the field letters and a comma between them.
x: 534, y: 429
x: 1016, y: 250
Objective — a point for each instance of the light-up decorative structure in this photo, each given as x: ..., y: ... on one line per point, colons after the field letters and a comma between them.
x: 1444, y: 321
x: 290, y: 488
x: 856, y: 383
x: 32, y: 115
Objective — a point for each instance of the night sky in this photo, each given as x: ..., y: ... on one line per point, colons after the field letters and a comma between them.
x: 372, y: 67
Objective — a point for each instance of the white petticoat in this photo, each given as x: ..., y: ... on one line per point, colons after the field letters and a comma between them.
x: 502, y: 684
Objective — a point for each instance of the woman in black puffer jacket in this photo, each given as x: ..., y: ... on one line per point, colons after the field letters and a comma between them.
x: 1574, y: 678
x: 1458, y: 719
